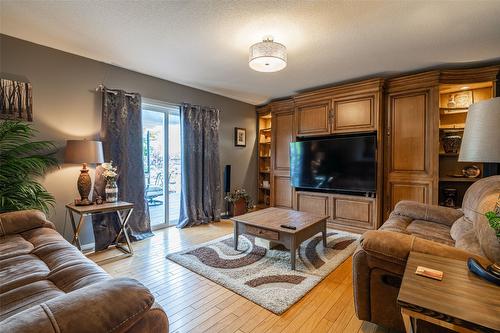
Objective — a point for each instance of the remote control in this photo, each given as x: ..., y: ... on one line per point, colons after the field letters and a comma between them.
x: 286, y: 226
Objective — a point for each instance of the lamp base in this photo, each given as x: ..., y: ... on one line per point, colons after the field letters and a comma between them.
x: 495, y: 269
x: 84, y: 185
x: 85, y: 202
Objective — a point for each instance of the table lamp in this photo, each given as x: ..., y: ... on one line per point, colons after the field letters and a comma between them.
x: 481, y: 143
x: 83, y: 151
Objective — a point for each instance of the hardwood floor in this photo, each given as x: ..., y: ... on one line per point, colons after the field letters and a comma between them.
x: 196, y: 304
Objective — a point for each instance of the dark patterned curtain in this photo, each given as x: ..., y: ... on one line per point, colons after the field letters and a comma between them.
x: 121, y: 135
x: 201, y: 180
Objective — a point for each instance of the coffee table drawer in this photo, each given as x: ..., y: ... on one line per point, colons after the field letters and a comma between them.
x: 264, y: 233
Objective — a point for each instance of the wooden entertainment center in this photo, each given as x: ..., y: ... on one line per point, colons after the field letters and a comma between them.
x: 409, y: 114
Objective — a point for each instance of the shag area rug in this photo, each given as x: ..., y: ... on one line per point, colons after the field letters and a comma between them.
x: 264, y: 276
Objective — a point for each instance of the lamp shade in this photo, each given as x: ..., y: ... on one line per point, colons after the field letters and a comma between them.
x: 83, y: 151
x: 481, y: 140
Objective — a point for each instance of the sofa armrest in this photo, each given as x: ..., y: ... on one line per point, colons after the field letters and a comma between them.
x: 23, y: 220
x: 433, y: 213
x: 390, y: 250
x: 112, y: 305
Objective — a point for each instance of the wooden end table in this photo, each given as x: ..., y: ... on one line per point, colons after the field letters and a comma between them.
x: 122, y: 209
x: 266, y: 223
x: 461, y: 301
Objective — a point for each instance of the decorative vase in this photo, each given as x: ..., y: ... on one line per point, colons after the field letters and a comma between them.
x: 111, y: 191
x: 451, y: 143
x: 239, y: 207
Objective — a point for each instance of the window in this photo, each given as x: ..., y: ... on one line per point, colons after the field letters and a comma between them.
x: 162, y: 161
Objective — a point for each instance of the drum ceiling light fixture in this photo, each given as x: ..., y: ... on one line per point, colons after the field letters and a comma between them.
x: 267, y: 56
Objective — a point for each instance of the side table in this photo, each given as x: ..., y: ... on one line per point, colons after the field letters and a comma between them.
x: 122, y: 209
x: 461, y: 301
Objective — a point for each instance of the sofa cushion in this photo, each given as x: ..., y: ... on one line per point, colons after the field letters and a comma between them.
x: 24, y: 297
x: 423, y: 229
x: 432, y: 231
x: 469, y: 242
x: 37, y: 265
x: 420, y: 211
x: 13, y: 246
x: 461, y: 226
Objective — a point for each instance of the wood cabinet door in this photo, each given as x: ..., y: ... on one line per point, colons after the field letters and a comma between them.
x: 418, y: 191
x: 282, y: 136
x: 281, y: 192
x: 314, y: 203
x: 411, y: 148
x: 313, y: 118
x: 354, y: 211
x: 355, y: 114
x: 410, y: 131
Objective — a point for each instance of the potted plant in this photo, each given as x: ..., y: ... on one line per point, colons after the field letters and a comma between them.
x: 22, y: 163
x: 240, y: 201
x: 494, y: 222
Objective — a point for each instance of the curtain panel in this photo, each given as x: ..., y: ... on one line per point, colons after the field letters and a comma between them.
x: 121, y: 135
x: 201, y: 195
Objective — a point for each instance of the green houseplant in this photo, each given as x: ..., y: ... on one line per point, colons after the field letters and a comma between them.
x: 22, y: 161
x: 494, y: 221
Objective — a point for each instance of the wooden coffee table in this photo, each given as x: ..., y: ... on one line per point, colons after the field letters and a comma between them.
x: 266, y: 224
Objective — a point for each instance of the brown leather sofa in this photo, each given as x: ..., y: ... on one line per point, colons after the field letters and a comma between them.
x: 47, y: 285
x: 380, y: 259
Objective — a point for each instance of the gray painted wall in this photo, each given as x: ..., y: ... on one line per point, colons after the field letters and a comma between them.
x: 66, y: 106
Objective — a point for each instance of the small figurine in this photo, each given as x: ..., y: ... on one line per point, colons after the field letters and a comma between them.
x: 98, y: 200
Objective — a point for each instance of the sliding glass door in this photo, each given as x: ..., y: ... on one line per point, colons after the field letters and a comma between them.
x: 162, y: 161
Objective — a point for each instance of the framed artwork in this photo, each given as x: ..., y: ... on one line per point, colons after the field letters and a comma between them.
x: 240, y: 137
x: 16, y: 100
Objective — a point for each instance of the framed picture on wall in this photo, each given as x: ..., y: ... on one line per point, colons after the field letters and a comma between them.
x: 16, y: 102
x: 240, y: 137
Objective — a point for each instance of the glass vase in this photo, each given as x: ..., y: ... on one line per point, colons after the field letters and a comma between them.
x: 111, y: 191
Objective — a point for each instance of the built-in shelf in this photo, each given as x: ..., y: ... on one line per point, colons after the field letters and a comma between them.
x: 458, y: 179
x: 449, y: 154
x: 452, y: 127
x: 264, y: 160
x: 446, y: 111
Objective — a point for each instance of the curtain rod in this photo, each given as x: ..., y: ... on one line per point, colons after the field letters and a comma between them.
x: 101, y: 87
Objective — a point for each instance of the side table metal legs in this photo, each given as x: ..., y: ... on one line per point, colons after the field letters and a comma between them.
x: 123, y: 229
x: 123, y: 217
x: 76, y: 229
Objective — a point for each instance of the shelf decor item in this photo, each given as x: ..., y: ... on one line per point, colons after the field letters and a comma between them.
x: 83, y: 151
x: 451, y: 143
x: 480, y: 144
x: 471, y: 171
x: 111, y: 188
x: 450, y: 195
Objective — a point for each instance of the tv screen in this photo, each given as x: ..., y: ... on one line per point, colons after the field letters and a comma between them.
x: 336, y: 164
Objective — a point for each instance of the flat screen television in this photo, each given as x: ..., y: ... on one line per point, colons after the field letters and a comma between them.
x: 343, y: 164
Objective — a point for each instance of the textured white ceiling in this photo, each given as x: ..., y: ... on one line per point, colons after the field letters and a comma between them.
x: 204, y: 44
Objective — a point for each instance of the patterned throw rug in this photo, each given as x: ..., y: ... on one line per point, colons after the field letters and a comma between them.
x: 264, y: 276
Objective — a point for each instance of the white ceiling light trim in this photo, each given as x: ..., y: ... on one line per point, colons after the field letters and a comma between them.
x: 267, y: 56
